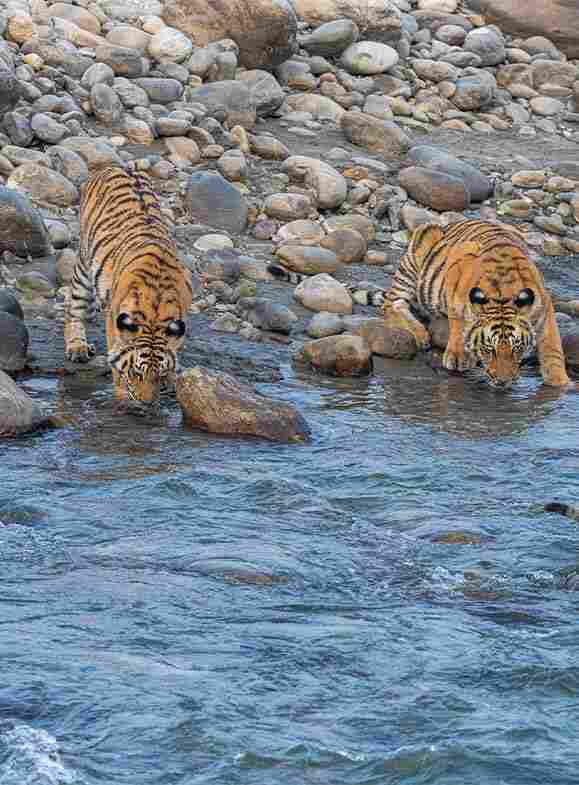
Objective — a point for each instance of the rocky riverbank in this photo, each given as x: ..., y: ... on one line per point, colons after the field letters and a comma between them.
x: 317, y: 141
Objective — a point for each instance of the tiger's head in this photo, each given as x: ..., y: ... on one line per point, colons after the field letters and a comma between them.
x: 502, y: 334
x: 143, y: 350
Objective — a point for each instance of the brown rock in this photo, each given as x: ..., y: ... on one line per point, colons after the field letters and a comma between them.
x: 377, y: 136
x: 264, y: 30
x: 349, y: 245
x: 557, y: 20
x: 218, y: 403
x: 435, y: 189
x: 308, y: 260
x: 337, y: 355
x: 387, y: 340
x: 570, y: 345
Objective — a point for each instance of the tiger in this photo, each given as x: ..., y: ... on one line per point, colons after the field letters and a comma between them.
x: 128, y: 268
x: 480, y: 275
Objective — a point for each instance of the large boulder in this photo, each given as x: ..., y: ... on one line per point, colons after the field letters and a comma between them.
x: 375, y: 19
x: 218, y: 403
x: 557, y: 20
x: 264, y: 30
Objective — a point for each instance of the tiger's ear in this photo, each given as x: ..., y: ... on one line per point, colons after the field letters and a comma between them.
x: 124, y: 322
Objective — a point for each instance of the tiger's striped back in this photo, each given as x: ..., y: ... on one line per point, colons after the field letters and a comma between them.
x: 128, y: 263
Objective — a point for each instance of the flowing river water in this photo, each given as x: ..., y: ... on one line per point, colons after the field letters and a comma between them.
x: 388, y: 604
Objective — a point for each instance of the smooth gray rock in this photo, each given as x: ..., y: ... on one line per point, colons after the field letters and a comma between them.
x: 478, y: 184
x: 22, y: 230
x: 212, y: 200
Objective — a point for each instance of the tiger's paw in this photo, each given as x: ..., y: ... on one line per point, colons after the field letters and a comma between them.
x: 79, y: 352
x: 454, y: 360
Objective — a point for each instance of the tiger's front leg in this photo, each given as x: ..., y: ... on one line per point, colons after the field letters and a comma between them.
x: 79, y: 307
x: 456, y: 357
x: 551, y: 355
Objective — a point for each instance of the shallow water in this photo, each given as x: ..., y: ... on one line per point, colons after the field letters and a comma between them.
x: 388, y: 604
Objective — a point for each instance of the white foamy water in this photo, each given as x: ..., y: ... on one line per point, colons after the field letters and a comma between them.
x: 32, y: 757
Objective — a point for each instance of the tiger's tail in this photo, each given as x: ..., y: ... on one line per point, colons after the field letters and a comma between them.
x: 568, y: 510
x: 282, y: 274
x: 374, y: 297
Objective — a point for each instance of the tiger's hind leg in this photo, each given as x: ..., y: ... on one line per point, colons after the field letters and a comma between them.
x: 550, y: 351
x: 80, y: 308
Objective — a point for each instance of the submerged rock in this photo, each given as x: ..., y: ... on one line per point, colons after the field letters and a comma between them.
x: 219, y: 403
x: 337, y: 355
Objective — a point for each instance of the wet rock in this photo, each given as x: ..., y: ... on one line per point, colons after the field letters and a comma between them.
x: 18, y: 412
x: 386, y: 340
x: 348, y: 244
x: 367, y: 58
x: 478, y: 184
x: 10, y: 304
x: 233, y: 97
x: 570, y: 343
x: 66, y: 261
x: 43, y: 185
x: 267, y: 315
x: 218, y: 403
x: 22, y: 230
x: 546, y: 107
x: 212, y: 200
x: 435, y: 189
x: 13, y: 342
x: 439, y: 332
x: 336, y: 355
x: 377, y: 136
x: 264, y: 30
x: 308, y: 260
x: 323, y: 293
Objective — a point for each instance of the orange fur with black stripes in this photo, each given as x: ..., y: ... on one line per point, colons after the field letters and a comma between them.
x: 128, y: 267
x: 481, y: 277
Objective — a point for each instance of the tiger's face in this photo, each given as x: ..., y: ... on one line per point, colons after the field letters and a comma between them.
x: 143, y: 354
x: 502, y: 334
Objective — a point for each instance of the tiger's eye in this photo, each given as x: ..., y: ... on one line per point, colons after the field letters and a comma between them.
x: 176, y: 328
x: 524, y: 297
x: 124, y: 322
x: 477, y: 296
